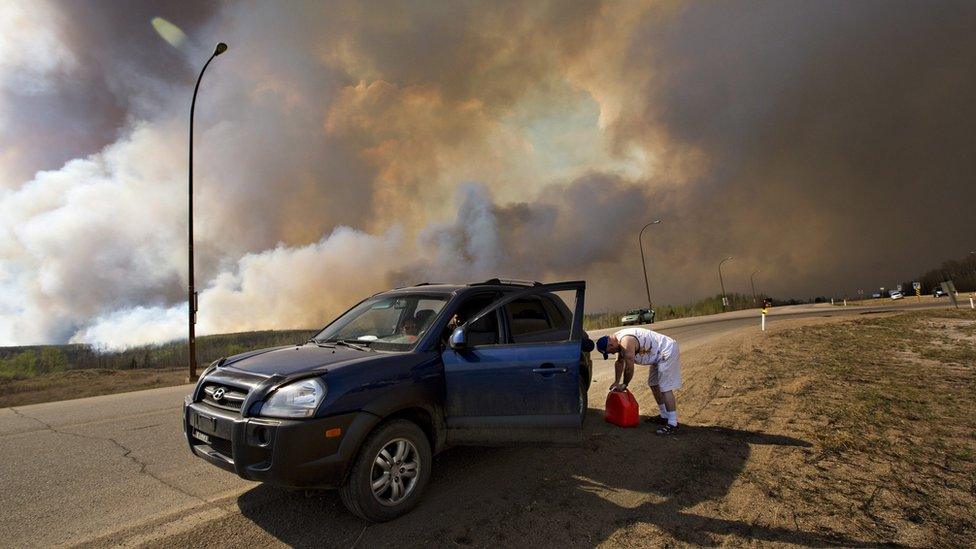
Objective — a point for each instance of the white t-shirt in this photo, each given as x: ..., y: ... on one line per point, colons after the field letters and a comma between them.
x: 649, y: 344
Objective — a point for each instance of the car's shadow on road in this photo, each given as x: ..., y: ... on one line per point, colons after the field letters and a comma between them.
x: 555, y: 496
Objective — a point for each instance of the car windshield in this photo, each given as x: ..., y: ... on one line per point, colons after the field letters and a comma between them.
x: 633, y: 312
x: 385, y: 322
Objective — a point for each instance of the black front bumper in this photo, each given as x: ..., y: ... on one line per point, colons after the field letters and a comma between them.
x: 284, y: 452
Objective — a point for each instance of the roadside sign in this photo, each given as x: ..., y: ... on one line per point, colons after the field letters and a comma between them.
x: 917, y: 285
x: 725, y: 301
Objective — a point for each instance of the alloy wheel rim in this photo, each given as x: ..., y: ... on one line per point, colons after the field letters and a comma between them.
x: 395, y: 471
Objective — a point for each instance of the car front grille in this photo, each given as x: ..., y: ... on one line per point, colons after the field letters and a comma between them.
x: 224, y: 396
x: 222, y: 447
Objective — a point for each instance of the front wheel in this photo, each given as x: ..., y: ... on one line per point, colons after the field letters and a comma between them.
x: 389, y: 474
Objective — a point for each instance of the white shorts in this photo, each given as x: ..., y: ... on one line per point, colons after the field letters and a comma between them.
x: 667, y: 374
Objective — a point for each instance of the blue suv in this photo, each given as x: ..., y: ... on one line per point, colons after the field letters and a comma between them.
x: 366, y: 403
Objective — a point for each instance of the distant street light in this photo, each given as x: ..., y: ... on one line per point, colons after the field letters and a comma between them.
x: 640, y: 243
x: 755, y: 300
x: 192, y: 294
x: 722, y: 281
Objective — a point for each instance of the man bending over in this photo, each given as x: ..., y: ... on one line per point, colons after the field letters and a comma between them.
x: 649, y: 348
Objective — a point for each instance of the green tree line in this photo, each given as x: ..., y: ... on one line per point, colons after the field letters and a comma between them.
x: 31, y: 361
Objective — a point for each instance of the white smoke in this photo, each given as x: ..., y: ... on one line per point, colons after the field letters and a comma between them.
x: 31, y: 47
x: 91, y: 238
x: 299, y: 287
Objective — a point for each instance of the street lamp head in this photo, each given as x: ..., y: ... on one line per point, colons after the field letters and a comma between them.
x: 221, y: 48
x: 656, y: 221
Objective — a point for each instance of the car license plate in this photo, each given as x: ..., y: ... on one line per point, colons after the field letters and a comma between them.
x: 206, y: 423
x: 200, y: 436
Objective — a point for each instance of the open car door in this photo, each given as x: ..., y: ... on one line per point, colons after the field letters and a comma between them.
x: 524, y: 386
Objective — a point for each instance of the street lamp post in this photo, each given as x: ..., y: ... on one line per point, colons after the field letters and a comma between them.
x: 640, y: 244
x: 722, y: 281
x: 192, y: 294
x: 752, y: 281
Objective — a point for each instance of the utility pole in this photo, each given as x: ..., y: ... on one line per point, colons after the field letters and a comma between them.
x: 725, y: 300
x: 640, y: 243
x: 192, y: 294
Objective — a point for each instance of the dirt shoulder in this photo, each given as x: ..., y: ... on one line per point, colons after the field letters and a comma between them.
x: 886, y: 404
x: 822, y: 431
x: 85, y: 383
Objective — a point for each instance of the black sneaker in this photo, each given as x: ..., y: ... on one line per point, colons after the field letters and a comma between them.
x: 668, y: 430
x: 657, y: 419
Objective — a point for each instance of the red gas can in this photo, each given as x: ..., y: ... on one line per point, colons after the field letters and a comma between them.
x: 622, y: 409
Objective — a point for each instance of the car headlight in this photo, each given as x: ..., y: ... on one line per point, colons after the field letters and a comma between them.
x: 298, y: 399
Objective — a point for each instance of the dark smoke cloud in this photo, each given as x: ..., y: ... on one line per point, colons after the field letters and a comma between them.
x: 834, y: 136
x: 347, y: 147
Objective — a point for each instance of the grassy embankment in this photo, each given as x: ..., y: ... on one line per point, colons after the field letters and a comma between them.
x: 890, y: 402
x: 46, y: 373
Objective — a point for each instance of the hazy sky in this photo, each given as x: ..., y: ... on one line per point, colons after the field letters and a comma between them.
x: 346, y: 147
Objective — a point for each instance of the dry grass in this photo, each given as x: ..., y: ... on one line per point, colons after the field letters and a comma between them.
x: 890, y: 404
x: 85, y: 383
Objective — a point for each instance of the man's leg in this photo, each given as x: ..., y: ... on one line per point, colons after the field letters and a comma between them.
x: 654, y: 384
x: 670, y: 376
x: 656, y: 391
x: 672, y: 407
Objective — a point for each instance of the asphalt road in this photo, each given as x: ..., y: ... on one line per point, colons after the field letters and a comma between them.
x: 116, y: 469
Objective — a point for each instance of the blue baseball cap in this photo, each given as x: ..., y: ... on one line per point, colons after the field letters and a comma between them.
x: 601, y: 346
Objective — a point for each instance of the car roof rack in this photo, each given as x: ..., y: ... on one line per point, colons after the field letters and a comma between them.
x: 507, y: 282
x: 413, y: 286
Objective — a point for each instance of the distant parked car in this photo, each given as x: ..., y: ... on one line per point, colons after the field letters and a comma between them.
x: 637, y: 316
x: 875, y: 295
x: 937, y: 292
x: 897, y: 295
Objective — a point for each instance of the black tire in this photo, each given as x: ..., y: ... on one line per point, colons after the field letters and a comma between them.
x: 357, y: 493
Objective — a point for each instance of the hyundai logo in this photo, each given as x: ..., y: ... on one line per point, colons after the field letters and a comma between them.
x: 218, y: 393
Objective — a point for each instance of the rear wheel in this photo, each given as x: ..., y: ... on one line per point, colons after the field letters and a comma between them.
x: 390, y: 473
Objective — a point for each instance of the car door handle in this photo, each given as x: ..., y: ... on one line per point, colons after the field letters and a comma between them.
x: 549, y: 369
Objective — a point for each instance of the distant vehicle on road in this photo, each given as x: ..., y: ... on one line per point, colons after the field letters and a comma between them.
x: 638, y: 316
x: 937, y: 292
x: 875, y: 295
x: 897, y: 295
x: 364, y: 404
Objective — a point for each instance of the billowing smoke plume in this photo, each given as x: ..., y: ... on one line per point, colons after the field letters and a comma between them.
x: 344, y: 148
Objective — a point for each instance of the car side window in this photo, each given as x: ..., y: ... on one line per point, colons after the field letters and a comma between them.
x: 560, y: 317
x: 485, y: 330
x: 536, y: 319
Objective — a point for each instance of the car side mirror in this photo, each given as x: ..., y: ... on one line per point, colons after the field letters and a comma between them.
x: 459, y: 339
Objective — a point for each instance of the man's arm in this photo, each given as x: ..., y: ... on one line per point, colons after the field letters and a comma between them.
x: 618, y: 370
x: 625, y: 362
